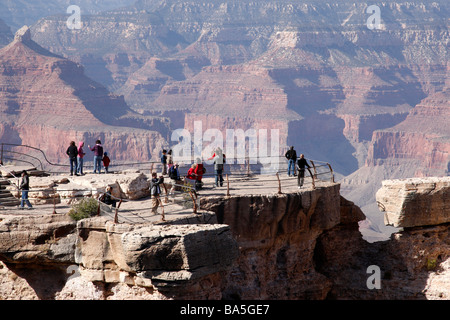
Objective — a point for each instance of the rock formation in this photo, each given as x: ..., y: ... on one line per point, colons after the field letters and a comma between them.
x: 306, y: 64
x: 302, y: 245
x: 415, y: 202
x: 46, y: 101
x: 374, y: 103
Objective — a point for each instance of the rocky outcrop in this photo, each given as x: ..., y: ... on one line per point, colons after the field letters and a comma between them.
x: 302, y: 245
x: 61, y: 189
x: 430, y: 145
x: 300, y: 63
x: 100, y: 252
x: 412, y: 264
x: 415, y: 202
x: 43, y: 96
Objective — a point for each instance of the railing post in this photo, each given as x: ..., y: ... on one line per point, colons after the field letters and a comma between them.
x: 228, y: 186
x: 193, y: 200
x: 331, y: 171
x: 312, y: 177
x: 279, y: 184
x: 116, y: 216
x: 314, y: 167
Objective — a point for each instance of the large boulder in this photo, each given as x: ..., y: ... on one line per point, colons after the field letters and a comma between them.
x: 415, y: 202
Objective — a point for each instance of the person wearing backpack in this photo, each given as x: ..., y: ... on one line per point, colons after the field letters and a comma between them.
x: 155, y: 191
x: 174, y: 175
x: 219, y: 159
x: 98, y: 156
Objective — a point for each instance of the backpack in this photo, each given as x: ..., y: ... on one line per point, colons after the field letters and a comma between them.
x: 173, y: 173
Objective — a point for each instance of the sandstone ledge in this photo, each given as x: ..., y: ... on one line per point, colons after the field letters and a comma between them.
x: 415, y: 202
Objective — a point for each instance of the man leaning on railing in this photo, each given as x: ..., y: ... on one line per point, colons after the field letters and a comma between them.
x: 301, y: 163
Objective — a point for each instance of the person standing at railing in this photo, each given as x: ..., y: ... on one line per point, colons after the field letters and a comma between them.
x: 81, y: 155
x: 291, y: 155
x: 174, y: 175
x: 218, y: 166
x: 155, y: 191
x: 301, y: 163
x: 72, y: 152
x: 164, y: 162
x: 98, y: 156
x: 25, y: 187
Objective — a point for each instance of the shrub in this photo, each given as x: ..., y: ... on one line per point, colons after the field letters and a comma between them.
x: 85, y: 208
x: 431, y: 264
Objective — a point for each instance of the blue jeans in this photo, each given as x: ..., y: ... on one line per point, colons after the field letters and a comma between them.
x: 98, y: 164
x: 73, y: 165
x: 80, y: 166
x: 291, y: 164
x: 25, y: 199
x: 219, y: 177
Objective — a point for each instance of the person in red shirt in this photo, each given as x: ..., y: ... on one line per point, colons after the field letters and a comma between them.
x: 106, y: 161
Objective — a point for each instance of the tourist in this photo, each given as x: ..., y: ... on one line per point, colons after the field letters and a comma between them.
x: 218, y: 157
x: 72, y: 152
x: 191, y: 177
x: 302, y: 163
x: 164, y: 162
x: 108, y: 198
x: 199, y: 171
x: 169, y: 160
x: 25, y: 187
x: 81, y: 155
x: 155, y: 191
x: 291, y: 155
x: 174, y: 175
x: 98, y: 156
x: 106, y: 161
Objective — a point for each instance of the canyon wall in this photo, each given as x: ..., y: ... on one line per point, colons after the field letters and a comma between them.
x: 46, y: 101
x: 290, y: 246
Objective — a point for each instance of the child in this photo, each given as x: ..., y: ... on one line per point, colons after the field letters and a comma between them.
x: 106, y: 161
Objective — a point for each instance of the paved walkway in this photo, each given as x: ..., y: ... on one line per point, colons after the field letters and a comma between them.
x: 139, y: 211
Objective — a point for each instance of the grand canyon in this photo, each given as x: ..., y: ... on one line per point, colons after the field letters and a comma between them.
x: 371, y: 101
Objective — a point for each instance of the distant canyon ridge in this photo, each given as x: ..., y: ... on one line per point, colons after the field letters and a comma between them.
x: 372, y: 102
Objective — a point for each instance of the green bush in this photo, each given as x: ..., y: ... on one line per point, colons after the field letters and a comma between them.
x: 85, y: 208
x: 431, y: 264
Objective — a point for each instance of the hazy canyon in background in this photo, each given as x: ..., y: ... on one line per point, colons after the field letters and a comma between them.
x: 372, y: 102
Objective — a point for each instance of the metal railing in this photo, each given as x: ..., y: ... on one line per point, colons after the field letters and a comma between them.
x: 319, y: 171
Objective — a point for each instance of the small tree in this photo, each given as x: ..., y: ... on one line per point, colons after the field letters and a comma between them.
x: 85, y: 208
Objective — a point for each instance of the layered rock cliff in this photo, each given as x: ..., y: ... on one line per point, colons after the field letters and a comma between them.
x: 44, y: 97
x: 302, y: 245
